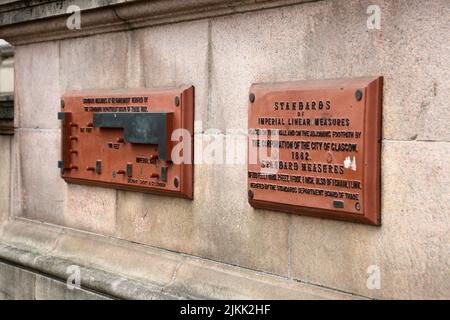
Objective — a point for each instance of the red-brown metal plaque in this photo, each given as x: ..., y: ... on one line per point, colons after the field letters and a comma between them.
x: 314, y: 148
x: 123, y: 139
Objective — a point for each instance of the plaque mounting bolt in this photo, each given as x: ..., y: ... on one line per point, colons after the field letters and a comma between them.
x: 177, y: 101
x: 250, y: 194
x: 358, y: 94
x: 175, y: 182
x: 357, y: 206
x: 252, y: 97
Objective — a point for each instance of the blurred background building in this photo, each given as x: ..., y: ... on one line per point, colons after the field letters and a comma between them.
x: 6, y: 87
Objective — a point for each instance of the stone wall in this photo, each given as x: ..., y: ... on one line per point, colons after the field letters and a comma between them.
x: 222, y: 56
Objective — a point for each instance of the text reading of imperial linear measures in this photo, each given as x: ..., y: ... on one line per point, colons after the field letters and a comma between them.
x: 314, y: 148
x: 304, y: 145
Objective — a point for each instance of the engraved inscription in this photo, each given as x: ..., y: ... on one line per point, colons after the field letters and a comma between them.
x: 318, y: 132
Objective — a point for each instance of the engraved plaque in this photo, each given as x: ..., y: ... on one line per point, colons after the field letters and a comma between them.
x: 124, y: 139
x: 314, y: 148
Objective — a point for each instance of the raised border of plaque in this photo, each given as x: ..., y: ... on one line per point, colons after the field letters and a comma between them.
x: 326, y: 135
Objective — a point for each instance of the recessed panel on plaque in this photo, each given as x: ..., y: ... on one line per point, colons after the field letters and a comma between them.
x: 314, y: 148
x: 125, y: 139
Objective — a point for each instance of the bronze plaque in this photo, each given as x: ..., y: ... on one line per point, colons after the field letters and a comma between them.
x: 129, y: 139
x: 314, y: 148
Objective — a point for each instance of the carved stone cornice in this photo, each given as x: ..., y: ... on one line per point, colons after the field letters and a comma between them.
x: 23, y: 22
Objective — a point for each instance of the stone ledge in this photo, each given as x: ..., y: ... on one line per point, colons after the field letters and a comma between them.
x: 47, y: 21
x: 17, y: 283
x: 127, y: 270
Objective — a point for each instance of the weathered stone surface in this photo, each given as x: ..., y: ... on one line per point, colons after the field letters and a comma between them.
x: 15, y: 283
x: 5, y: 175
x: 244, y: 284
x: 90, y: 208
x: 35, y: 10
x: 157, y: 267
x: 156, y: 220
x: 169, y: 56
x: 218, y: 224
x: 330, y: 39
x: 37, y: 85
x: 151, y: 273
x: 229, y: 230
x: 97, y: 62
x: 20, y: 284
x: 41, y: 191
x: 411, y: 248
x: 49, y: 289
